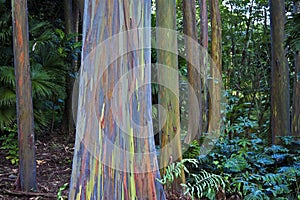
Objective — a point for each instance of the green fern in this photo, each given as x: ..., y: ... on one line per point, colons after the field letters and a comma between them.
x: 203, y: 184
x: 174, y: 170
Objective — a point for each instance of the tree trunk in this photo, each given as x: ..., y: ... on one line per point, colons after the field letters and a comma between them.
x: 214, y: 113
x: 204, y: 61
x: 27, y: 165
x: 280, y: 97
x: 296, y: 99
x: 68, y: 122
x: 248, y: 35
x: 168, y: 95
x: 296, y: 92
x: 194, y: 76
x: 115, y: 156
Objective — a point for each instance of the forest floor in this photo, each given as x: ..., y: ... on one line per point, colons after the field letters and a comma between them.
x: 54, y: 164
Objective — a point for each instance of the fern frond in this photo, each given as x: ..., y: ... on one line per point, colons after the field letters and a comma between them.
x: 203, y: 184
x: 174, y: 170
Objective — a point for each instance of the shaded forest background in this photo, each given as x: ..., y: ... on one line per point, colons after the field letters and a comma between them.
x: 245, y: 162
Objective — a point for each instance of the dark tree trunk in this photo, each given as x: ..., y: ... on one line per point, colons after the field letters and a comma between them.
x: 296, y: 99
x: 204, y: 61
x: 68, y: 120
x: 27, y: 165
x: 280, y: 95
x: 296, y: 91
x: 194, y: 76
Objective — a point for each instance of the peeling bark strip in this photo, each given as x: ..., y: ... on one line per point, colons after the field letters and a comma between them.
x: 27, y: 165
x: 115, y: 154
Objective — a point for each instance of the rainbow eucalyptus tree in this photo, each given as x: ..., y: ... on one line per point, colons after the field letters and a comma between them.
x: 27, y: 166
x: 168, y: 95
x: 115, y: 155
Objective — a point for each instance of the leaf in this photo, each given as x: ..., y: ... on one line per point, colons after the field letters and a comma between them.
x: 236, y: 164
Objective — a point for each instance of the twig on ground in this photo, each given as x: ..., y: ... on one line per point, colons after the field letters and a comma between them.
x: 31, y: 194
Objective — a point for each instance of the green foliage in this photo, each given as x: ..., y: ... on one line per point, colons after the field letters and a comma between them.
x: 254, y: 171
x: 10, y: 144
x: 293, y: 35
x: 174, y: 170
x: 51, y: 52
x: 60, y: 190
x: 201, y: 184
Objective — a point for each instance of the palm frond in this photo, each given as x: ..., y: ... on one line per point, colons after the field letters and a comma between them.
x: 7, y: 76
x: 42, y: 85
x: 7, y: 97
x: 7, y: 116
x: 5, y: 27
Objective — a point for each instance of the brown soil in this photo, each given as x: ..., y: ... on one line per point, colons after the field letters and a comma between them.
x: 54, y: 165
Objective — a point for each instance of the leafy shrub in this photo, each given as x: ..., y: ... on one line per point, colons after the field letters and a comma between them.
x: 10, y: 144
x: 254, y: 171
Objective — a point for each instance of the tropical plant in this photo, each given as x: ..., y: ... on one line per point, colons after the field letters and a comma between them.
x: 200, y: 184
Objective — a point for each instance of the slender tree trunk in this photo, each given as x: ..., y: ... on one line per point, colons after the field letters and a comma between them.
x: 194, y: 76
x: 280, y: 97
x: 115, y: 155
x: 296, y: 99
x: 204, y: 61
x: 76, y: 25
x: 27, y: 165
x: 248, y: 34
x: 296, y: 92
x: 168, y: 97
x: 215, y: 69
x: 68, y: 122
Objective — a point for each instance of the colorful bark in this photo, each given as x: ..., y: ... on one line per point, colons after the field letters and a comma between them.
x: 168, y: 97
x: 280, y: 97
x: 194, y: 76
x: 214, y: 113
x: 27, y: 165
x: 115, y: 155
